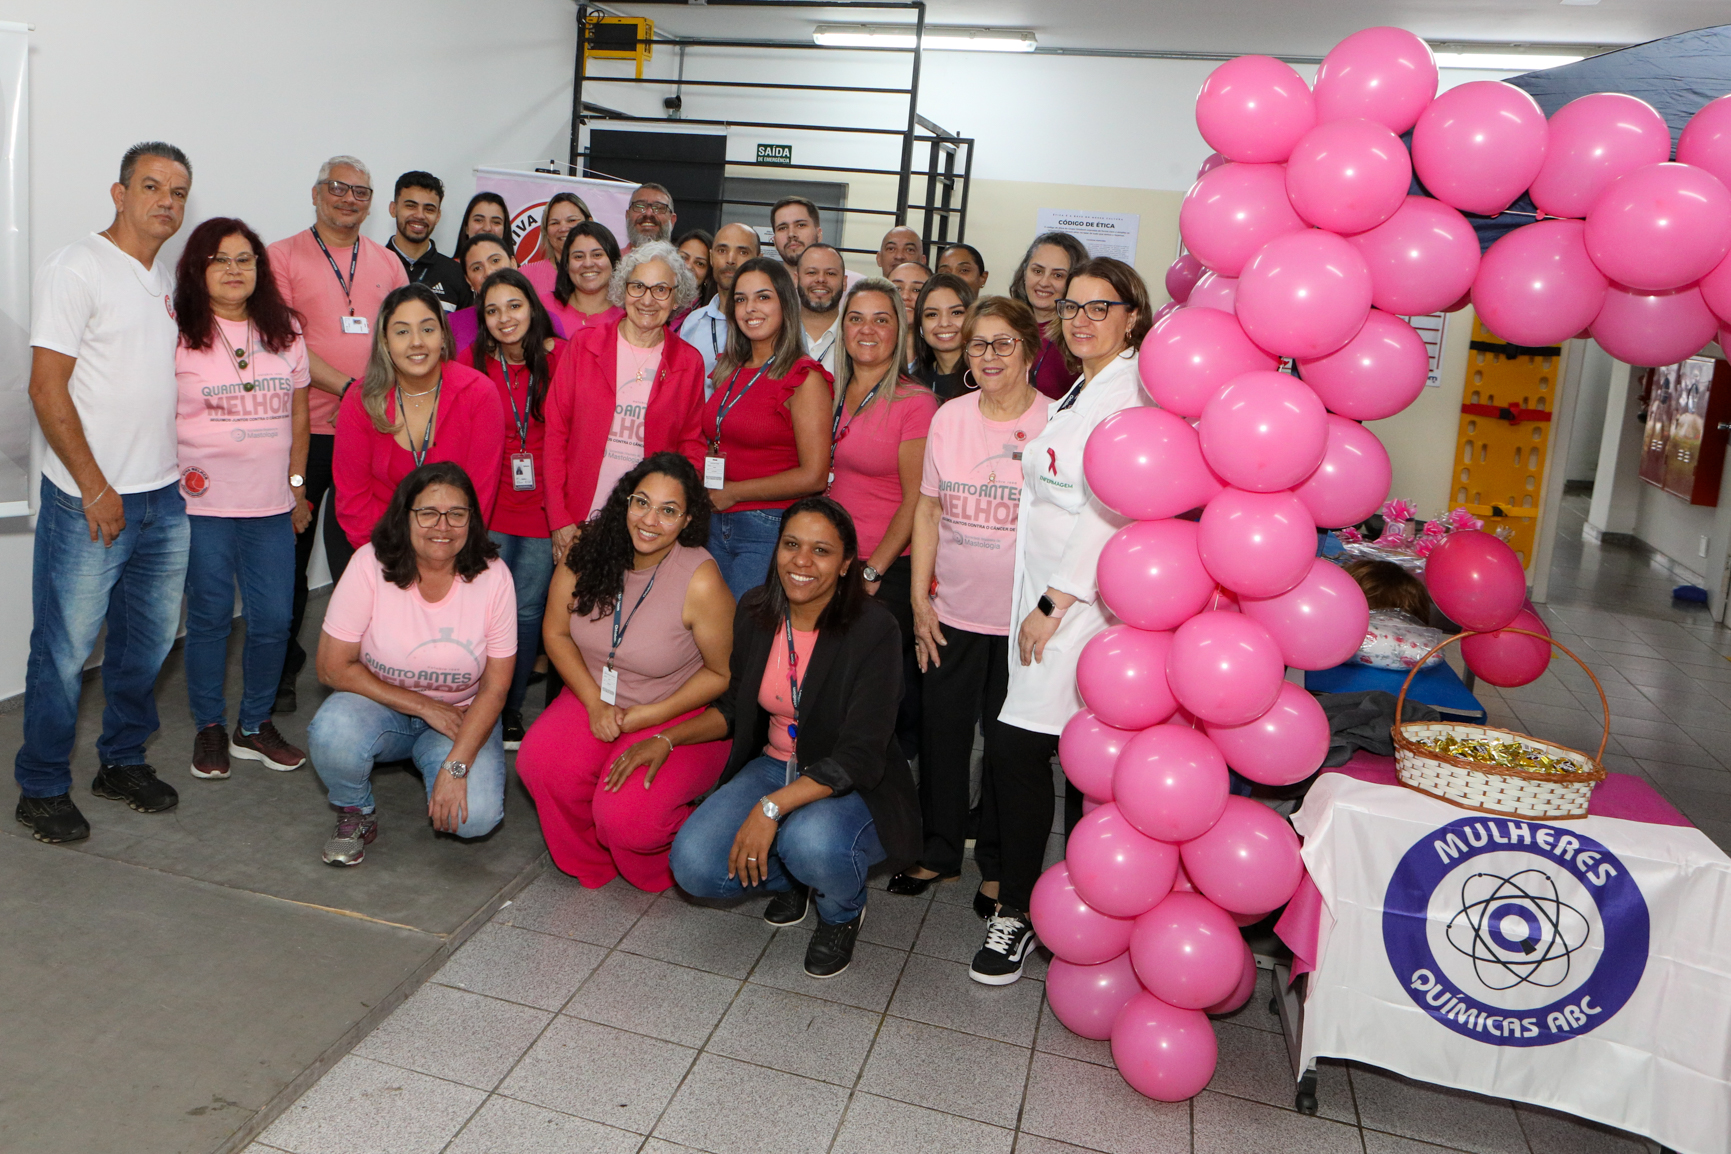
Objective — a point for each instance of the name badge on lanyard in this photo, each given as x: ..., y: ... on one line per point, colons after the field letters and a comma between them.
x: 610, y: 675
x: 714, y: 472
x: 522, y: 472
x: 523, y: 461
x: 610, y: 685
x: 355, y: 325
x: 715, y: 463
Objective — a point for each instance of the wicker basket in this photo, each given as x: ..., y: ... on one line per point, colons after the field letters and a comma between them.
x: 1492, y: 789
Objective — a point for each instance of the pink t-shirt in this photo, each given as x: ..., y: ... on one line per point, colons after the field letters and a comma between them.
x: 236, y: 426
x: 631, y: 401
x: 868, y: 481
x: 574, y: 322
x: 436, y: 648
x: 773, y: 694
x: 974, y: 469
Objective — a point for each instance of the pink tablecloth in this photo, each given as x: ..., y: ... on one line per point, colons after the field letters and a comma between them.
x: 1619, y: 795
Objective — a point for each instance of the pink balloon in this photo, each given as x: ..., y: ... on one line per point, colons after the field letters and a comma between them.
x: 1240, y: 994
x: 1225, y: 668
x: 1318, y: 623
x: 1187, y: 952
x: 1353, y: 480
x: 1181, y: 881
x: 1257, y: 544
x: 1114, y: 868
x: 1146, y: 463
x: 1233, y: 211
x: 1476, y: 580
x: 1304, y: 295
x: 1537, y: 285
x: 1248, y: 863
x: 1421, y: 259
x: 1378, y: 373
x: 1658, y: 328
x: 1383, y: 74
x: 1264, y: 431
x: 1165, y: 1053
x: 1478, y: 146
x: 1166, y: 310
x: 1348, y: 175
x: 1181, y: 277
x: 1214, y: 291
x: 1283, y: 746
x: 1070, y: 927
x: 1716, y: 290
x: 1660, y: 227
x: 1151, y: 576
x: 1706, y: 139
x: 1088, y: 749
x: 1189, y: 355
x: 1170, y: 783
x: 1594, y: 140
x: 1254, y: 109
x: 1121, y: 675
x: 1214, y: 161
x: 1088, y: 999
x: 1509, y: 659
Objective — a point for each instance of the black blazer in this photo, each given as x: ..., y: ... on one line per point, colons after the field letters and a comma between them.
x: 847, y: 718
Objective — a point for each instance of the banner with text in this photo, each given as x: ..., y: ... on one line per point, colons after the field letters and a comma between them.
x: 527, y: 193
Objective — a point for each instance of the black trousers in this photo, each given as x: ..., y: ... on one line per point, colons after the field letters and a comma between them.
x: 1017, y: 803
x: 894, y: 592
x: 320, y: 452
x: 966, y: 688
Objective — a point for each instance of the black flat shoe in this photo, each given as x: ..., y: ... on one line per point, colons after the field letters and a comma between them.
x: 909, y: 886
x: 984, y: 907
x: 788, y: 907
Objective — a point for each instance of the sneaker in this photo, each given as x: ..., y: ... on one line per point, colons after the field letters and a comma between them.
x: 788, y: 907
x: 831, y: 947
x: 210, y: 753
x: 136, y: 785
x: 268, y: 746
x: 512, y: 722
x: 53, y: 819
x: 1009, y: 937
x: 355, y: 831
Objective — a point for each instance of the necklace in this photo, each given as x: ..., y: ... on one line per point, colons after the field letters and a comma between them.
x: 240, y: 358
x: 401, y: 392
x: 641, y: 358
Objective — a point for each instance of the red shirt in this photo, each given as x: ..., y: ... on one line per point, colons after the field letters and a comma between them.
x: 521, y: 512
x: 468, y: 429
x: 757, y: 436
x: 580, y: 409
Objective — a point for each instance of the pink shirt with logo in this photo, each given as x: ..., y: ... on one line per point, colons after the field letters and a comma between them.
x: 974, y: 469
x: 868, y: 480
x: 438, y: 648
x: 773, y: 694
x: 636, y: 376
x: 235, y: 426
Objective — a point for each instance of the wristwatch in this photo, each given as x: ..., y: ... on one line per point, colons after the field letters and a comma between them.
x: 770, y: 809
x: 456, y: 769
x: 296, y: 481
x: 871, y: 575
x: 1049, y: 607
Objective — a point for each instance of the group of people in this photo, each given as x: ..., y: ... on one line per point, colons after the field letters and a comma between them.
x: 782, y: 532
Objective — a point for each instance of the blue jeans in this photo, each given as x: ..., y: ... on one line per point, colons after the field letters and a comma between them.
x: 743, y: 545
x: 530, y: 560
x: 350, y: 732
x: 76, y: 585
x: 260, y: 552
x: 828, y: 845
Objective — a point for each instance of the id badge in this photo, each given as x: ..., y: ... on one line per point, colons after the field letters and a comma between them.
x: 714, y: 472
x: 355, y: 325
x: 522, y: 471
x: 609, y: 685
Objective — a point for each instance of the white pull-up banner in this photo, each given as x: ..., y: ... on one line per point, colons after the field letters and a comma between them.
x: 16, y: 423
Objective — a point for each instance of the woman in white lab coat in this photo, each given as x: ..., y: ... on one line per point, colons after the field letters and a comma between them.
x: 1062, y: 528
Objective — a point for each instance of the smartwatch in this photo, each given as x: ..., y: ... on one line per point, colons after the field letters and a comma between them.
x: 770, y: 809
x: 871, y: 575
x: 456, y: 769
x: 1049, y: 607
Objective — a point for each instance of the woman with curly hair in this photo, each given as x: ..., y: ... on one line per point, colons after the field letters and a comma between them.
x: 640, y: 625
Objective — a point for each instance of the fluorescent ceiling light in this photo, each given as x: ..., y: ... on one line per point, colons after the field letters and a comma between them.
x: 941, y: 39
x: 1502, y: 61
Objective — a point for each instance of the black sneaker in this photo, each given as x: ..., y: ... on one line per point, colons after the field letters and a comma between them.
x: 831, y: 947
x: 53, y: 819
x: 788, y: 908
x: 512, y: 722
x: 136, y: 785
x: 1009, y: 937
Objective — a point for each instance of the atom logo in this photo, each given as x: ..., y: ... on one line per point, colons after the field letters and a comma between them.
x: 1517, y: 930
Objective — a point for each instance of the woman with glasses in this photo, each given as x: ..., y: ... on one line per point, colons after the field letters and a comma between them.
x: 415, y: 405
x: 485, y: 255
x: 1040, y: 280
x: 418, y: 644
x: 581, y: 296
x: 564, y: 211
x: 486, y: 214
x: 939, y: 313
x: 639, y: 624
x: 694, y: 249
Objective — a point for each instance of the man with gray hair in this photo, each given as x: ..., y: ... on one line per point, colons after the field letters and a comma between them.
x: 336, y: 279
x: 649, y: 216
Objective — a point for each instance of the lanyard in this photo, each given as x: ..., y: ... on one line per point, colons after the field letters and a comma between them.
x: 836, y: 432
x: 730, y: 399
x: 793, y: 690
x: 521, y: 420
x: 354, y: 262
x: 420, y: 455
x: 1074, y: 395
x: 618, y: 628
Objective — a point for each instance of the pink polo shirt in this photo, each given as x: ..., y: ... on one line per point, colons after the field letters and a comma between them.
x: 868, y: 480
x: 236, y: 426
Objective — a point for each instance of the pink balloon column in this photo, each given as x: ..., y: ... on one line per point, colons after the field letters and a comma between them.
x: 1479, y: 146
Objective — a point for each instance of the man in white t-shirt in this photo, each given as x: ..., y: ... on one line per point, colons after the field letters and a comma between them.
x: 111, y: 534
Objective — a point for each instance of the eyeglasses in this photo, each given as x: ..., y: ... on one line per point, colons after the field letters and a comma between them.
x: 654, y: 206
x: 636, y: 288
x: 641, y: 504
x: 245, y: 261
x: 1003, y: 346
x: 338, y: 190
x: 1096, y: 310
x: 456, y: 517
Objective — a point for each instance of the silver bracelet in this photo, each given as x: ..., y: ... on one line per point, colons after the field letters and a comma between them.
x: 99, y: 496
x: 663, y: 736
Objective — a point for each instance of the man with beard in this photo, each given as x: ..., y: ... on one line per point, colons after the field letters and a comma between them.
x: 794, y: 222
x: 821, y: 279
x: 415, y: 207
x: 649, y: 216
x: 705, y: 329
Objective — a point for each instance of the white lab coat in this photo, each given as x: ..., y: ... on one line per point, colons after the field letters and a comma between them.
x: 1060, y: 531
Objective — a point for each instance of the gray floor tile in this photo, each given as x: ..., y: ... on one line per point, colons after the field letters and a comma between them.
x: 556, y: 904
x: 785, y: 1031
x: 1412, y: 1109
x: 536, y: 969
x: 892, y: 920
x: 599, y: 1073
x: 1055, y: 1038
x: 879, y: 1126
x: 456, y: 1035
x: 703, y: 939
x: 1553, y: 1132
x: 365, y: 1105
x: 646, y: 996
x: 940, y: 993
x: 1034, y: 1144
x: 506, y: 1126
x: 868, y: 981
x: 956, y: 1073
x: 1225, y: 1125
x: 1376, y: 1142
x: 1679, y: 750
x: 1079, y: 1102
x: 1254, y: 1064
x: 662, y: 1146
x: 951, y: 932
x: 961, y: 891
x: 728, y: 1107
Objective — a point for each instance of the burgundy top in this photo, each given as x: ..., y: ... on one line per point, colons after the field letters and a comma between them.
x: 757, y: 436
x: 1051, y: 376
x: 657, y: 654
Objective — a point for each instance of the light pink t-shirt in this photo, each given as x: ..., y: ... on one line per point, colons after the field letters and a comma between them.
x: 974, y: 469
x: 773, y: 693
x: 235, y: 426
x: 630, y: 403
x: 868, y: 480
x: 438, y: 649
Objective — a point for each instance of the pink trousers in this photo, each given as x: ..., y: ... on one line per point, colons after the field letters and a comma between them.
x: 595, y: 834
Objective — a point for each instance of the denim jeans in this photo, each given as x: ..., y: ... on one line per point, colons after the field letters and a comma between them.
x: 76, y: 585
x: 828, y: 845
x: 530, y: 560
x: 260, y: 553
x: 743, y: 544
x: 350, y: 732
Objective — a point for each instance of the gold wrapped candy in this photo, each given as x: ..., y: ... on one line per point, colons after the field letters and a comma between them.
x: 1502, y: 754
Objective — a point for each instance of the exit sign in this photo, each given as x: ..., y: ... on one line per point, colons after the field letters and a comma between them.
x: 775, y: 154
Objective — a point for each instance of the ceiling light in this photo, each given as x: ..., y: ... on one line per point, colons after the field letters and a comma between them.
x: 941, y: 39
x: 1502, y: 61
